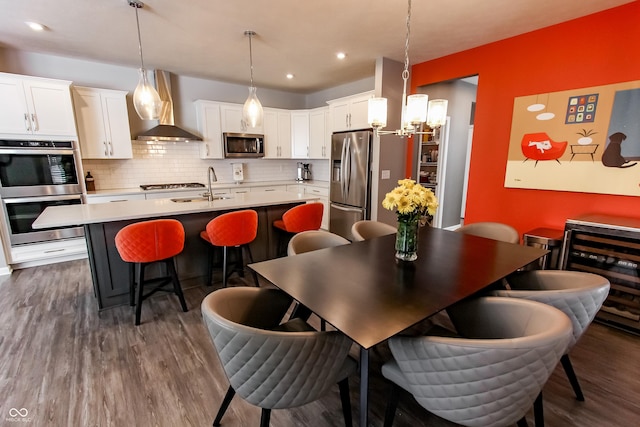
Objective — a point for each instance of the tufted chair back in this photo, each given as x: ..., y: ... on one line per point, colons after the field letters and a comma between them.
x: 271, y: 368
x: 578, y: 294
x: 491, y: 375
x: 150, y: 241
x: 492, y: 230
x: 233, y: 228
x: 302, y: 218
x: 366, y: 229
x: 313, y: 240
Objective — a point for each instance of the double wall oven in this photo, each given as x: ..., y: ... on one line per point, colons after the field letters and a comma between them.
x: 33, y: 176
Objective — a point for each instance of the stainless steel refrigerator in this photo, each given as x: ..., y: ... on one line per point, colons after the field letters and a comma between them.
x: 350, y: 180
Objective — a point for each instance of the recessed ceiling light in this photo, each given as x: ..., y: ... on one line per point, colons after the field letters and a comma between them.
x: 35, y: 26
x: 290, y: 76
x: 341, y: 55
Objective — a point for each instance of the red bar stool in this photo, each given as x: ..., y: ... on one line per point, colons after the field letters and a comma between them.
x: 147, y: 242
x: 297, y: 219
x: 236, y: 230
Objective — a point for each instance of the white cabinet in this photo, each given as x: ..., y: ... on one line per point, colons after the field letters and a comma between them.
x: 210, y: 127
x: 277, y: 133
x: 114, y: 198
x: 35, y: 106
x: 43, y: 253
x: 323, y: 197
x: 295, y: 188
x: 319, y: 133
x: 240, y: 190
x: 232, y: 120
x: 269, y: 188
x: 300, y: 134
x: 350, y: 113
x: 151, y: 195
x: 103, y: 123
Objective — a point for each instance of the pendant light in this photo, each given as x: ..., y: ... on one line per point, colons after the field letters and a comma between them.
x: 146, y: 100
x: 414, y: 107
x: 252, y: 110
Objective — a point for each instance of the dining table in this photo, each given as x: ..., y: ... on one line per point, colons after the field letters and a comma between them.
x: 363, y: 291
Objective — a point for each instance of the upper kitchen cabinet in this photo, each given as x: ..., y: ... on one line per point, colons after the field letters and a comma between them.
x: 319, y: 133
x: 103, y: 123
x: 35, y: 106
x: 350, y: 113
x: 210, y: 127
x: 277, y: 133
x: 300, y: 134
x: 232, y: 120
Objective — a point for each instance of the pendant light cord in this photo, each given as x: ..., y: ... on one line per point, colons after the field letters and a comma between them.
x: 136, y: 4
x: 405, y: 73
x: 250, y: 34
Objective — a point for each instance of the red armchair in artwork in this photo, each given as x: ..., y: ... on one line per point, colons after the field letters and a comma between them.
x: 538, y: 146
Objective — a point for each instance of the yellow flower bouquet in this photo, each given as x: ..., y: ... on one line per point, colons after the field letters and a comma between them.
x: 411, y: 200
x: 415, y: 205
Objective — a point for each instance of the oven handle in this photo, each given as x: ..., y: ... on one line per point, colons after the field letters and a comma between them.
x: 41, y: 199
x: 63, y: 152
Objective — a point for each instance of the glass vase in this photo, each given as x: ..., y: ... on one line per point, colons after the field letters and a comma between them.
x: 407, y: 239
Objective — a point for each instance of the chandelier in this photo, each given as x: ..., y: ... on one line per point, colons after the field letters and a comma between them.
x: 414, y: 107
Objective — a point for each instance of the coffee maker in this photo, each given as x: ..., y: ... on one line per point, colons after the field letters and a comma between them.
x: 304, y: 172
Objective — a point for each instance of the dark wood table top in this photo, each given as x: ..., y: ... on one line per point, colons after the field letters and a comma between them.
x: 363, y: 291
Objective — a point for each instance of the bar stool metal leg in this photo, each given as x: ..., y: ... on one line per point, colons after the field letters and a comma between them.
x: 176, y: 283
x: 140, y: 292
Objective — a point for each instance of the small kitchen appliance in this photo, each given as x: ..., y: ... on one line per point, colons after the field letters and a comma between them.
x: 306, y: 172
x: 300, y: 172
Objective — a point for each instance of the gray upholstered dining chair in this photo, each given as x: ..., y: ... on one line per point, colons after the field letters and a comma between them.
x: 492, y: 373
x: 307, y: 241
x: 492, y: 230
x: 368, y: 229
x: 312, y: 240
x: 578, y: 294
x: 269, y: 364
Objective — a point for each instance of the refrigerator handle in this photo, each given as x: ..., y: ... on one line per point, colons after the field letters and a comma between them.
x: 343, y: 159
x: 348, y: 177
x: 340, y: 208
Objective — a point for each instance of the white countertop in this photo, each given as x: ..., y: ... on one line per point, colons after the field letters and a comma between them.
x: 215, y: 186
x: 61, y: 216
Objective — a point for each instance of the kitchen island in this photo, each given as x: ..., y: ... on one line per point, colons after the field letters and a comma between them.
x: 102, y: 221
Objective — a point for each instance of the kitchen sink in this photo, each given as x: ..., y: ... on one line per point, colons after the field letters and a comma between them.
x: 198, y: 199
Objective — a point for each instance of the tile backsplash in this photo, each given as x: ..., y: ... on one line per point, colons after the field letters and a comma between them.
x: 175, y: 162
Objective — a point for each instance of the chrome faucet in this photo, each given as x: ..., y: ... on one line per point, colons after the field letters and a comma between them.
x: 210, y: 173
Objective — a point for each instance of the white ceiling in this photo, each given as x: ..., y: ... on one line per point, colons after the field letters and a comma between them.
x: 205, y: 38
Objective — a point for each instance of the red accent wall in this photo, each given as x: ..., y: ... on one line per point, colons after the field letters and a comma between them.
x: 598, y: 49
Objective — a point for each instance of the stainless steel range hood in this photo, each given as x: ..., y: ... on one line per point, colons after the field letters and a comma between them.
x: 166, y: 129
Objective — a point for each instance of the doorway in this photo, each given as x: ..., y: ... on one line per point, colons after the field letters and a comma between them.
x: 461, y: 94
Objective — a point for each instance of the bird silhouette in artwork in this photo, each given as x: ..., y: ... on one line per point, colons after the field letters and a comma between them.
x: 612, y: 156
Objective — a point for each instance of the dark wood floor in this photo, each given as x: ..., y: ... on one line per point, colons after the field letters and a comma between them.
x: 69, y: 365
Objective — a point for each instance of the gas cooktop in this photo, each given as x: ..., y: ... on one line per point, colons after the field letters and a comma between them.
x: 171, y: 186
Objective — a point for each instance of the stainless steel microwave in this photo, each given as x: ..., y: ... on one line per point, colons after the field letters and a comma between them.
x: 243, y: 145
